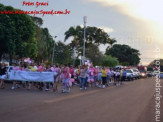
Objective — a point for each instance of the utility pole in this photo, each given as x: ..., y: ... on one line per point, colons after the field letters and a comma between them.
x: 53, y: 51
x: 84, y: 19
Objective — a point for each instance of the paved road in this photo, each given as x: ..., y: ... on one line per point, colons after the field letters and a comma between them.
x: 131, y: 102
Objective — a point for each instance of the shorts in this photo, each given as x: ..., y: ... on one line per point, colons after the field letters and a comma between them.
x: 65, y: 80
x: 99, y: 77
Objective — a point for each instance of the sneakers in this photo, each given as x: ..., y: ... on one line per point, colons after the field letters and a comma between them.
x: 103, y: 86
x: 12, y: 88
x: 85, y: 88
x: 69, y: 90
x: 63, y: 90
x: 46, y: 89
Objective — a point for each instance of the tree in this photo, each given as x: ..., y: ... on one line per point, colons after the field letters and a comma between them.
x: 97, y: 36
x: 153, y: 64
x: 93, y: 54
x: 77, y: 62
x: 45, y: 45
x: 109, y: 61
x: 124, y: 53
x: 75, y: 33
x: 17, y: 34
x: 62, y: 53
x: 94, y: 36
x: 112, y: 41
x: 125, y: 63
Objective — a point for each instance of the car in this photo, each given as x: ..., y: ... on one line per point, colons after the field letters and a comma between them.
x: 143, y: 71
x: 129, y: 74
x: 161, y: 75
x: 118, y: 67
x: 150, y: 74
x: 136, y: 73
x: 143, y: 74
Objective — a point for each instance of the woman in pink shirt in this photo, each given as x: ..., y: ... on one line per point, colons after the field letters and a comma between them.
x: 57, y: 70
x: 91, y: 75
x: 66, y: 78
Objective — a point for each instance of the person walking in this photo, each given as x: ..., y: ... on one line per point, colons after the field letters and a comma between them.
x: 104, y: 77
x: 66, y: 78
x: 3, y: 71
x: 83, y: 71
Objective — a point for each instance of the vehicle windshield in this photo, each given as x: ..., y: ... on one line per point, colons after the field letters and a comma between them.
x: 128, y: 71
x: 135, y: 70
x: 141, y: 70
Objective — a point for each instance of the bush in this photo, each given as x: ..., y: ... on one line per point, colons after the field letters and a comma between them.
x: 110, y: 61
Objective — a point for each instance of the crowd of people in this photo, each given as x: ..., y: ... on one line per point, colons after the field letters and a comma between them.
x: 85, y: 76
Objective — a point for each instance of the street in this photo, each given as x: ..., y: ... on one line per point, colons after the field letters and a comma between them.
x: 131, y: 102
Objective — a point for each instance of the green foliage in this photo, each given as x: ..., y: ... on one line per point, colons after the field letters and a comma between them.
x: 93, y: 54
x: 38, y: 21
x: 62, y: 53
x: 112, y: 41
x: 45, y: 44
x: 17, y: 33
x: 124, y: 53
x: 153, y: 64
x: 125, y: 63
x: 109, y: 61
x: 22, y: 36
x: 77, y: 62
x: 94, y: 36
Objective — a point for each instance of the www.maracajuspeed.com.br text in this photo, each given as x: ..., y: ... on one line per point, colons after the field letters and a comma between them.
x: 42, y: 12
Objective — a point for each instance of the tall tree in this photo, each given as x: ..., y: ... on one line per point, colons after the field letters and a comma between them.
x: 94, y: 36
x: 112, y: 41
x: 124, y: 53
x: 17, y: 34
x: 62, y: 53
x: 76, y: 34
x: 94, y: 55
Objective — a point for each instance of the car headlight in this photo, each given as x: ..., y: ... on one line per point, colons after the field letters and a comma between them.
x: 143, y: 74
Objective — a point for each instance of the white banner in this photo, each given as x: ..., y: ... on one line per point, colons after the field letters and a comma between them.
x: 32, y: 76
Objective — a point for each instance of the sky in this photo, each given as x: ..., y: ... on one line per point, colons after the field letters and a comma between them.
x: 138, y: 23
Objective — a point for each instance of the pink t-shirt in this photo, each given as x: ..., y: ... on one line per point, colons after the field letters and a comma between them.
x: 40, y: 69
x: 25, y: 69
x: 65, y: 73
x: 16, y: 68
x: 91, y: 71
x: 56, y: 69
x: 95, y: 71
x: 72, y: 71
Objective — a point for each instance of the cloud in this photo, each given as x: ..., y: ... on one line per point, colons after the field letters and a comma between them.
x: 148, y: 10
x: 107, y: 29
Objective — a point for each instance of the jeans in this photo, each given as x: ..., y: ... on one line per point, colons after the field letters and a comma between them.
x: 47, y: 85
x: 108, y: 78
x: 104, y: 80
x: 65, y: 82
x: 82, y: 82
x: 95, y: 80
x: 86, y: 81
